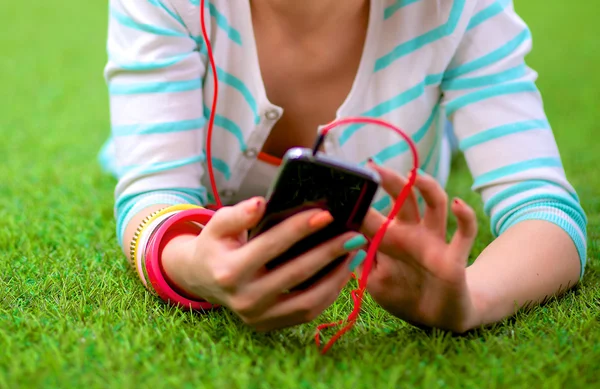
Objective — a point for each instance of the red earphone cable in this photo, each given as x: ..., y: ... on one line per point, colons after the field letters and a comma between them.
x: 213, y: 109
x: 357, y: 294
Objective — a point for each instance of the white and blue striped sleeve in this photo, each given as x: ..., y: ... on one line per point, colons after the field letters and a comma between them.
x: 154, y: 76
x: 497, y: 113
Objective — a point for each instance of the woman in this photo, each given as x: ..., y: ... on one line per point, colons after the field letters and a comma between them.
x: 284, y: 69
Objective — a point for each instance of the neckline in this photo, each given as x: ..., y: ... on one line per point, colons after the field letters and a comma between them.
x: 363, y: 73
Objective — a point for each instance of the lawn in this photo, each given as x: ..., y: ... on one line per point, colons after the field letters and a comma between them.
x: 72, y: 315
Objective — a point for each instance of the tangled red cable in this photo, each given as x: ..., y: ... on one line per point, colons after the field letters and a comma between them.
x: 357, y: 294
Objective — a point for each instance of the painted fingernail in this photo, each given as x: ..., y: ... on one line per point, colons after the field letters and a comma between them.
x: 373, y: 161
x: 252, y: 205
x: 357, y: 260
x: 320, y: 220
x: 355, y: 243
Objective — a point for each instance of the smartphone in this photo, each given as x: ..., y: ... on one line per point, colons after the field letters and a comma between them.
x: 305, y: 181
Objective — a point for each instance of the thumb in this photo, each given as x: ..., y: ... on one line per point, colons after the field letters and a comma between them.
x: 237, y: 219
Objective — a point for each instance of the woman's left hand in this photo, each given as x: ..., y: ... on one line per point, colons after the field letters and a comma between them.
x: 418, y: 276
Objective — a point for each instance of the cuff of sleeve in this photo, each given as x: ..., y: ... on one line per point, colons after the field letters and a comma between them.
x: 570, y: 219
x: 129, y: 207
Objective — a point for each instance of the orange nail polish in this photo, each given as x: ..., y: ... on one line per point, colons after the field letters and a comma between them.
x: 321, y: 219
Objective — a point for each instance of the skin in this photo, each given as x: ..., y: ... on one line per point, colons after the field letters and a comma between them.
x: 418, y: 276
x: 221, y: 266
x: 301, y: 50
x: 421, y: 278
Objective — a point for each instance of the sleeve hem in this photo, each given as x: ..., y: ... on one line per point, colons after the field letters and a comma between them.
x: 128, y: 209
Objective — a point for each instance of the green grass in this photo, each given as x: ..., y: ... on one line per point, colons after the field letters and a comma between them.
x: 72, y: 315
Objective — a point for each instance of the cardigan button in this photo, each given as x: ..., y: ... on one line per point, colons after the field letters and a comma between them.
x: 272, y: 114
x: 251, y: 153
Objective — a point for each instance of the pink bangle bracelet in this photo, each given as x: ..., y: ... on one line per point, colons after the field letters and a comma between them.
x: 154, y: 250
x: 140, y: 253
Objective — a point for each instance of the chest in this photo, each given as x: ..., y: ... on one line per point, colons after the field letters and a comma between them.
x: 276, y: 92
x: 308, y: 78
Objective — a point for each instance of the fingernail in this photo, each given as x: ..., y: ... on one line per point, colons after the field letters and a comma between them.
x: 354, y: 243
x: 373, y: 161
x: 357, y: 260
x: 421, y: 172
x: 253, y: 205
x: 320, y: 220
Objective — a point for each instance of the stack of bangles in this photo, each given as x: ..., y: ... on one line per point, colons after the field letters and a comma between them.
x: 147, y: 245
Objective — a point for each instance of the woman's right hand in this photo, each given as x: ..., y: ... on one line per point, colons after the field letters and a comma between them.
x: 227, y: 269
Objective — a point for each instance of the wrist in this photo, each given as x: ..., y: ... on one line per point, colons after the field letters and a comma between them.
x: 187, y: 222
x: 479, y: 303
x: 177, y: 257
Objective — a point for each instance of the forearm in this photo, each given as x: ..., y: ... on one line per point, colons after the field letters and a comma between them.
x: 530, y: 262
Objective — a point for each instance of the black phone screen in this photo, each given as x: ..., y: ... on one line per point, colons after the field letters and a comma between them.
x: 304, y: 184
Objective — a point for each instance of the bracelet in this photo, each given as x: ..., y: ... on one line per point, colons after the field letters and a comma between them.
x: 134, y: 245
x: 144, y: 237
x: 172, y: 233
x: 153, y: 261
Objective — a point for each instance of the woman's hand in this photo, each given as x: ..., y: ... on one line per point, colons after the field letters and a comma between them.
x: 226, y: 269
x: 417, y: 275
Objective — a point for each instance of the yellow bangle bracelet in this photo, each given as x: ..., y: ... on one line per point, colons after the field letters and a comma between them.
x: 133, y: 247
